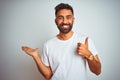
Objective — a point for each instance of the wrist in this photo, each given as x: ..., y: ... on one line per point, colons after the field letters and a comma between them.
x: 35, y: 56
x: 90, y: 56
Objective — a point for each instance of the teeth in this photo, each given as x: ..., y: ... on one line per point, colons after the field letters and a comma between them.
x: 65, y: 26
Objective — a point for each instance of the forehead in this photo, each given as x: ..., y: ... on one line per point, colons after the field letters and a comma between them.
x: 64, y: 12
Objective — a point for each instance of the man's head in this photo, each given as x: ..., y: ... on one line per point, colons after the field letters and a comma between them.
x: 64, y: 17
x: 63, y: 6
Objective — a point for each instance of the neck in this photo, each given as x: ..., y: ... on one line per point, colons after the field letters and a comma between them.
x: 66, y: 36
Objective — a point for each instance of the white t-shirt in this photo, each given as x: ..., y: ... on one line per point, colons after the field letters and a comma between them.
x: 61, y: 56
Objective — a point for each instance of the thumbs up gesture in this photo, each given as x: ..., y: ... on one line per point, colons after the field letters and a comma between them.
x: 82, y: 49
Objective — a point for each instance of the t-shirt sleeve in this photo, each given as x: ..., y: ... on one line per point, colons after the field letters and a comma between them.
x: 44, y: 56
x: 92, y: 47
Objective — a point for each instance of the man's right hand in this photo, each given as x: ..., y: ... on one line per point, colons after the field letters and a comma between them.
x: 30, y: 51
x: 45, y: 70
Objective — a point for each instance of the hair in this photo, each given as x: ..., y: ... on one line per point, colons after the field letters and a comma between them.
x: 63, y: 6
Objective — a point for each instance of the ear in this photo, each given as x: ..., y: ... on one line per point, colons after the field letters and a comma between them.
x: 73, y: 19
x: 55, y: 21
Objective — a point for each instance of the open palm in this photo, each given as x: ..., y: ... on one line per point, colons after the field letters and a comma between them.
x: 30, y: 51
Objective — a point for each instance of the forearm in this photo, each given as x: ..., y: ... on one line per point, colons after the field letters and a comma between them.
x: 45, y: 70
x: 94, y: 65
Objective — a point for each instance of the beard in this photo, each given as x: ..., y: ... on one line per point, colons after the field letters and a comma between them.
x: 65, y: 28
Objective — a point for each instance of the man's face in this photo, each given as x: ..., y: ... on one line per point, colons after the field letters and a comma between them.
x: 64, y: 20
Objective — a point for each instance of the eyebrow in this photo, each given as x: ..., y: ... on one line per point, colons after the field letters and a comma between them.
x: 63, y: 16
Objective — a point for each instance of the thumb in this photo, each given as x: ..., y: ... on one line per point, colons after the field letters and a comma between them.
x: 86, y: 41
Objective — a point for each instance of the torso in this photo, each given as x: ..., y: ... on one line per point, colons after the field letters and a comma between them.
x: 65, y: 63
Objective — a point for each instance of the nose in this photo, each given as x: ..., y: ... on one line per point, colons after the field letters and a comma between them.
x: 65, y: 21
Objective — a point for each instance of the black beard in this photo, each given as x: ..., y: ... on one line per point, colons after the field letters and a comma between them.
x: 65, y: 30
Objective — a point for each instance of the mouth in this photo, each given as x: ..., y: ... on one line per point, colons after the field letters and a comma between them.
x: 65, y: 26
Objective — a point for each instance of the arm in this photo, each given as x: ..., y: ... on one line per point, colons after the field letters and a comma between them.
x: 94, y: 64
x: 45, y: 70
x: 93, y: 61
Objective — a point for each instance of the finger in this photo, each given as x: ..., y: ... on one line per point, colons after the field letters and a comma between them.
x: 25, y: 48
x: 78, y: 47
x: 77, y: 51
x: 36, y: 49
x: 86, y: 41
x: 79, y: 44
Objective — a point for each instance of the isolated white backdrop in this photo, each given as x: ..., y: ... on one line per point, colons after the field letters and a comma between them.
x: 31, y: 23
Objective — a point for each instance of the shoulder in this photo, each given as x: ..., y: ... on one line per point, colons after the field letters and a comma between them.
x: 80, y: 37
x: 50, y: 41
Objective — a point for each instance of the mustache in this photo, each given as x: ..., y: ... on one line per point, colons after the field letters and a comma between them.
x: 64, y: 24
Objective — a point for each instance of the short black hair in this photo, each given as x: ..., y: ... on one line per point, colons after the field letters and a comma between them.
x: 63, y: 6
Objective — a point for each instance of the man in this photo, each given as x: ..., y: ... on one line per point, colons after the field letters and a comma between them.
x: 65, y: 56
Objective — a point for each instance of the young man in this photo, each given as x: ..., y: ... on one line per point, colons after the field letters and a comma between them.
x: 65, y: 56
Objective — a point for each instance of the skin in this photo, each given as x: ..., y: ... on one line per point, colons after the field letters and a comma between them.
x: 45, y: 70
x: 64, y: 21
x: 94, y: 65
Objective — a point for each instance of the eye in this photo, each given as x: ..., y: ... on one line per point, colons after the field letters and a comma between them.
x: 69, y: 17
x: 59, y: 18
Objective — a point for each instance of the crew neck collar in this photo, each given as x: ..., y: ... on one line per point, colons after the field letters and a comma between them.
x: 64, y: 41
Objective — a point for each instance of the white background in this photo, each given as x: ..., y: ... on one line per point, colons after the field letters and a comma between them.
x: 31, y: 23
